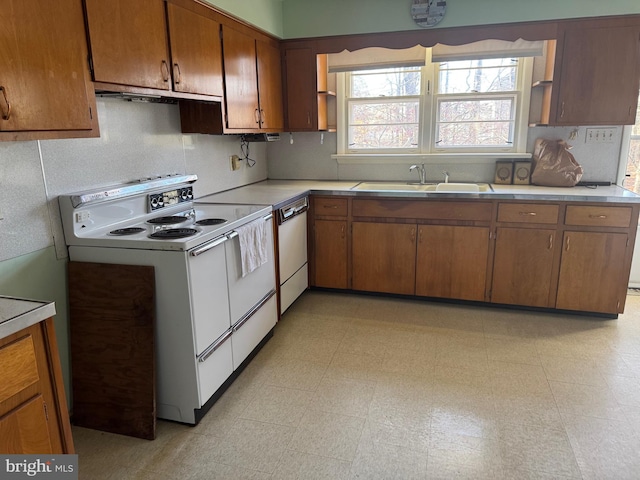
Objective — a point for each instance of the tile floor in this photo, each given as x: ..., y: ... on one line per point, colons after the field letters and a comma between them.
x: 359, y: 387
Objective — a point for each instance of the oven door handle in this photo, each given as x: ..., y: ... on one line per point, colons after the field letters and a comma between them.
x: 252, y: 312
x: 214, y: 346
x: 208, y: 246
x: 234, y: 234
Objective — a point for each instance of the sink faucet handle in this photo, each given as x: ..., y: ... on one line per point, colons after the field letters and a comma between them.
x: 446, y: 176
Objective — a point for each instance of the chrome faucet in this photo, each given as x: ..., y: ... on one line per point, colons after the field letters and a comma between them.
x: 446, y: 176
x: 421, y: 171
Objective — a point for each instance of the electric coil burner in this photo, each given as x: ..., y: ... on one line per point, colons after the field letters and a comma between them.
x: 211, y: 221
x: 167, y: 220
x: 171, y: 233
x: 127, y: 231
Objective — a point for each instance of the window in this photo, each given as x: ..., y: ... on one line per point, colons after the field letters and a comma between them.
x: 632, y: 160
x: 475, y: 106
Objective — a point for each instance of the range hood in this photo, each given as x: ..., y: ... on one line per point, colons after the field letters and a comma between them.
x: 137, y: 97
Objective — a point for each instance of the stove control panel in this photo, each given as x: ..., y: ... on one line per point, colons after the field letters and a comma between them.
x: 171, y: 197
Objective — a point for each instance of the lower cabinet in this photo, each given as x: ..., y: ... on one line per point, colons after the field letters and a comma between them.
x: 384, y: 257
x: 330, y: 251
x: 593, y: 272
x: 33, y: 409
x: 452, y: 261
x: 523, y: 266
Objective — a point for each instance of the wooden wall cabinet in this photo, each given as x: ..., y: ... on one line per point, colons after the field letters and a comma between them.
x: 307, y: 91
x: 593, y: 76
x: 45, y: 85
x: 145, y: 46
x: 33, y: 409
x: 253, y: 83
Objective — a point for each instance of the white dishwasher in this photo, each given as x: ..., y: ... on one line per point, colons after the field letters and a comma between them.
x: 292, y: 248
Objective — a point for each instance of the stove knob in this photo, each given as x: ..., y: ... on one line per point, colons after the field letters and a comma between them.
x: 154, y: 202
x: 184, y: 194
x: 190, y: 193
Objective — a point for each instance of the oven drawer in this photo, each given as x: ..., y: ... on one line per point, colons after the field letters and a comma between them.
x: 214, y: 367
x: 248, y: 334
x: 246, y: 292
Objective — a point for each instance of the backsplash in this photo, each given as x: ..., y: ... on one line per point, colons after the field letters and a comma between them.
x: 137, y: 140
x: 309, y: 157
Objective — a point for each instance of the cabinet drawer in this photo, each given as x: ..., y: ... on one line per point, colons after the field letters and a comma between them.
x: 527, y: 213
x: 335, y: 207
x: 19, y: 367
x: 428, y: 210
x: 594, y: 216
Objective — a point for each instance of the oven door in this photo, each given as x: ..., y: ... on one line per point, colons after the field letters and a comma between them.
x: 209, y: 292
x: 246, y: 292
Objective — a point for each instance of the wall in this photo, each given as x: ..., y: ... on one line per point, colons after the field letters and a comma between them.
x: 137, y: 140
x: 264, y: 14
x: 311, y: 18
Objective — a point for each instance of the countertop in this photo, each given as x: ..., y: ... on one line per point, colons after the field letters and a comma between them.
x: 278, y: 192
x: 19, y: 313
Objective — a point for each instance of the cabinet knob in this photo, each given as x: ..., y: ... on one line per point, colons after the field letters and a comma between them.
x: 6, y: 115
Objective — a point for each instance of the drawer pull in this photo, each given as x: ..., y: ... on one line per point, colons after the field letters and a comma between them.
x: 528, y: 214
x: 342, y: 232
x: 164, y: 68
x: 568, y: 243
x: 597, y: 216
x: 330, y: 206
x: 550, y: 242
x: 7, y: 115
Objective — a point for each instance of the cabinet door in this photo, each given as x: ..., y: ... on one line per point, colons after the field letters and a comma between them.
x: 599, y: 76
x: 240, y: 79
x: 129, y: 42
x: 196, y: 52
x: 43, y: 69
x: 330, y: 247
x: 384, y: 257
x: 452, y: 261
x: 522, y: 266
x: 301, y: 89
x: 270, y: 86
x: 25, y: 429
x: 592, y: 272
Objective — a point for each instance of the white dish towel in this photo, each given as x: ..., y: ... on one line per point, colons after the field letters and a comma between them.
x: 253, y: 245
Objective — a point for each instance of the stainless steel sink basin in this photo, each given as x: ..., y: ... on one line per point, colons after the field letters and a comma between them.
x: 416, y: 187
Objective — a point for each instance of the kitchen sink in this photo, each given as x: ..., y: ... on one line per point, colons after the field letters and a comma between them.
x: 417, y: 187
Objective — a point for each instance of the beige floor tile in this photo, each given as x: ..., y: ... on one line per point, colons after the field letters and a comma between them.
x: 328, y: 435
x: 626, y: 390
x: 447, y: 375
x: 462, y: 457
x: 310, y: 349
x: 301, y: 466
x: 366, y: 368
x: 297, y: 374
x: 386, y: 461
x: 409, y: 362
x: 562, y: 369
x: 249, y: 444
x: 279, y: 405
x: 587, y: 400
x: 473, y: 358
x: 344, y: 396
x: 412, y: 436
x: 538, y: 449
x: 512, y: 350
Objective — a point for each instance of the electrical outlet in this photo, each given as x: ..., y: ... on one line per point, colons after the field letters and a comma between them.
x: 235, y: 162
x: 600, y: 135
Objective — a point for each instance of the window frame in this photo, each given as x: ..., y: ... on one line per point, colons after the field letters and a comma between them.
x: 426, y: 147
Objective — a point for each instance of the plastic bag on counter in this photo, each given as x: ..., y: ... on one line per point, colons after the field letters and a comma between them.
x: 553, y: 165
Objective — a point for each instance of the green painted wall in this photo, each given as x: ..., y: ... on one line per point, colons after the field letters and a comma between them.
x: 311, y: 18
x: 264, y: 14
x: 41, y: 276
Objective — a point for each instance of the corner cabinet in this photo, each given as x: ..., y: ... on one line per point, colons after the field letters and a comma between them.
x: 144, y: 46
x: 253, y: 83
x: 593, y: 74
x: 33, y: 409
x: 329, y: 251
x: 45, y: 85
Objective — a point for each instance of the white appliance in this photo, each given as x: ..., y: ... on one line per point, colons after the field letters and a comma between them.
x: 209, y: 318
x: 292, y: 248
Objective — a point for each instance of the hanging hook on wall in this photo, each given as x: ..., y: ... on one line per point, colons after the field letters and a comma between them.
x: 291, y: 138
x: 573, y: 134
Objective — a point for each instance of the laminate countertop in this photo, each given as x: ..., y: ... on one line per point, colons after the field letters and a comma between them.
x: 279, y: 192
x: 19, y: 313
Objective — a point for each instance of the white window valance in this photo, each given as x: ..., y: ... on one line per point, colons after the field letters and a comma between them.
x: 374, y: 58
x: 487, y: 49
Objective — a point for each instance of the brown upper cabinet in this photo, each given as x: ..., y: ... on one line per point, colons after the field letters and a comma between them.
x: 141, y: 46
x: 595, y: 77
x: 253, y: 83
x: 45, y: 86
